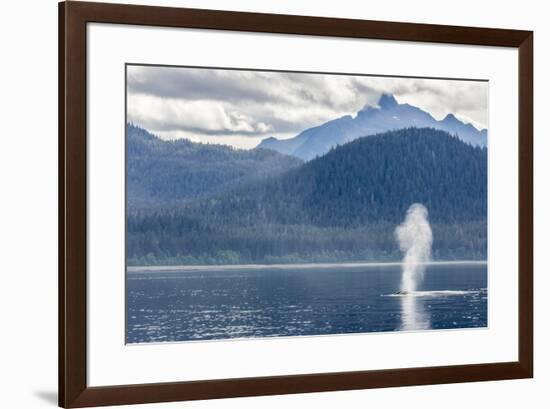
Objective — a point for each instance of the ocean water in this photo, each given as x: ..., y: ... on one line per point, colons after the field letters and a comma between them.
x: 193, y: 304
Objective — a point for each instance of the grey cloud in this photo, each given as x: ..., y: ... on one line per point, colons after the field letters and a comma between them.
x: 254, y: 104
x: 193, y: 84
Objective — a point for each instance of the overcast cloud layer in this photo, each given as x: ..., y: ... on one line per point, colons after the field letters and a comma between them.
x: 240, y: 108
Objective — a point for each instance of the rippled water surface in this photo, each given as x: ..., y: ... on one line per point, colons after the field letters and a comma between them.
x: 219, y: 303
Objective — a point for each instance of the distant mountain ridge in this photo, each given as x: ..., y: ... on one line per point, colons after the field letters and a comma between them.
x: 388, y: 115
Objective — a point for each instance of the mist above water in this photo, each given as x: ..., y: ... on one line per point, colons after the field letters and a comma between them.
x: 414, y: 236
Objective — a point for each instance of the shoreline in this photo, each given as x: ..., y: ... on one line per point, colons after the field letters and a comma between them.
x: 233, y: 267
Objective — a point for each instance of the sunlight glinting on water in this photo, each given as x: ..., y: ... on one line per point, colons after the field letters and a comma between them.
x: 413, y: 315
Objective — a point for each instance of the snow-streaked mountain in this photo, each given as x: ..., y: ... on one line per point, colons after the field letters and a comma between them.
x: 388, y: 115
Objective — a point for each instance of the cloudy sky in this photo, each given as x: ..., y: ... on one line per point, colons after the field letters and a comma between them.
x: 241, y: 108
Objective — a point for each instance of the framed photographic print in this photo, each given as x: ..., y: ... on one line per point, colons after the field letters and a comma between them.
x: 255, y: 204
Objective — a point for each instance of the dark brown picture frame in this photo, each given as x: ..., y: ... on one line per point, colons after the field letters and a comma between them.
x: 73, y: 388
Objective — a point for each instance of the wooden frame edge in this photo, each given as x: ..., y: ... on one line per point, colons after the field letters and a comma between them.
x: 72, y: 204
x: 525, y: 205
x: 293, y: 384
x: 73, y: 389
x: 61, y: 207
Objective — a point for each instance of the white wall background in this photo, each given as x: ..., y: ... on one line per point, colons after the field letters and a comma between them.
x: 28, y: 203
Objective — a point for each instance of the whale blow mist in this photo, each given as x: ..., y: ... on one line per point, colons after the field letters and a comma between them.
x: 414, y: 236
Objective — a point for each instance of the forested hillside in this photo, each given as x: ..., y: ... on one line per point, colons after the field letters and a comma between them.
x: 167, y: 173
x: 342, y: 206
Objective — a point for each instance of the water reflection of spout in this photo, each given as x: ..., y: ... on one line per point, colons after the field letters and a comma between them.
x: 413, y: 314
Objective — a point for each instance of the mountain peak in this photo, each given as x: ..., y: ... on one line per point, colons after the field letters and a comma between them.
x: 386, y: 115
x: 450, y: 118
x: 387, y: 101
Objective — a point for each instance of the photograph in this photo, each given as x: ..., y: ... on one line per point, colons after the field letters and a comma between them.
x: 265, y: 203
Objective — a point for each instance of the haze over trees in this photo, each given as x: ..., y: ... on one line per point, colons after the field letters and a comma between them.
x: 161, y: 173
x: 191, y: 203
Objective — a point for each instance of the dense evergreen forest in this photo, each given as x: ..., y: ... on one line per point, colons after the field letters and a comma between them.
x: 167, y: 173
x: 191, y: 203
